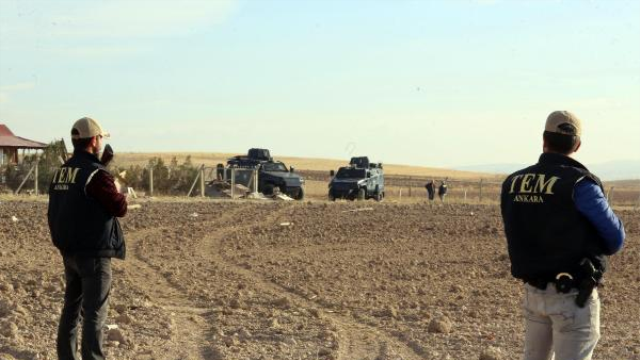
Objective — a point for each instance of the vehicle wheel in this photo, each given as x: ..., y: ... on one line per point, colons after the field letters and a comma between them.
x: 362, y: 194
x: 268, y: 190
x: 300, y: 194
x: 331, y: 196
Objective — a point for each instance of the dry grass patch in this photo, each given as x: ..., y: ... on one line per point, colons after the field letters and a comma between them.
x: 313, y: 164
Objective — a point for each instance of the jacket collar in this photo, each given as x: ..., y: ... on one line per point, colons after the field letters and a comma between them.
x: 86, y: 156
x: 559, y: 159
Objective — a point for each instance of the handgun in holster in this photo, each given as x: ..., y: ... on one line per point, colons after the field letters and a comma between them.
x: 590, y: 277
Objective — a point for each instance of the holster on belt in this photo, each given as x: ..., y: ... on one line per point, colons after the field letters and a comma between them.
x: 589, y: 281
x: 585, y: 279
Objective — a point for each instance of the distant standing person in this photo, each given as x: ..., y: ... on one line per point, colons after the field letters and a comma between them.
x: 442, y: 190
x: 220, y: 172
x: 431, y: 190
x: 84, y: 204
x: 560, y: 230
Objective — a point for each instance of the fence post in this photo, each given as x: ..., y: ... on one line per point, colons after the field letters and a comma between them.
x: 610, y: 196
x: 35, y: 186
x: 480, y: 194
x: 24, y: 181
x: 252, y: 178
x: 255, y: 180
x: 151, y: 181
x: 465, y: 196
x: 233, y: 182
x: 400, y: 195
x: 202, y: 180
x: 193, y: 185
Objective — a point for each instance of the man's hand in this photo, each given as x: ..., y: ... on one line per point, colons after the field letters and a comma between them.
x: 107, y: 155
x: 119, y: 186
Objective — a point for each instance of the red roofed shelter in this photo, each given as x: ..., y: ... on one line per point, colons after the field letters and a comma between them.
x: 10, y: 144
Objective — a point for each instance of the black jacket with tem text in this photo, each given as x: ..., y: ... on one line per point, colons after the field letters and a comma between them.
x: 546, y: 234
x: 78, y: 223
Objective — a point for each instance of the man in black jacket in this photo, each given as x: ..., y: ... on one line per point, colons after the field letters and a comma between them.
x: 431, y: 189
x: 84, y: 204
x: 442, y: 189
x: 560, y: 230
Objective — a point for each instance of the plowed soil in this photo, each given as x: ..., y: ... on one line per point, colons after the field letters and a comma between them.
x: 314, y: 280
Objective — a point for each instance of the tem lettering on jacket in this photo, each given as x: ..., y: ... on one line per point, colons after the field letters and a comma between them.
x: 531, y: 188
x: 63, y: 177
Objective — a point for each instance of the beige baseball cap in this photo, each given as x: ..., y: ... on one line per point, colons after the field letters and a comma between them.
x: 87, y: 128
x: 564, y: 122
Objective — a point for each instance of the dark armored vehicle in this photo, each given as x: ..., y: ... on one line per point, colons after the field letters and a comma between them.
x: 273, y: 176
x: 360, y: 180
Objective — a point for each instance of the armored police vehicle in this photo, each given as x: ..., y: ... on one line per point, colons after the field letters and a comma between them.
x: 360, y: 180
x: 273, y: 176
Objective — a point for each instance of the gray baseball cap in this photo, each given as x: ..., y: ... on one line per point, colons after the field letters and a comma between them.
x: 87, y: 128
x: 563, y: 122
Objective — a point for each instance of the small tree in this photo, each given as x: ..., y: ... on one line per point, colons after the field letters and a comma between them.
x: 171, y: 179
x: 160, y: 174
x: 48, y: 161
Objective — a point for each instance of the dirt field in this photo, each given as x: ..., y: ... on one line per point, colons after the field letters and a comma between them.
x: 314, y: 280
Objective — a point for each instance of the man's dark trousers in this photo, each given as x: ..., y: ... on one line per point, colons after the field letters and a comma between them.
x: 88, y: 283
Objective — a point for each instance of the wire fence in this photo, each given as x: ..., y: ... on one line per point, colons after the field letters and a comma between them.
x: 173, y: 179
x: 488, y: 191
x: 477, y: 191
x: 156, y: 179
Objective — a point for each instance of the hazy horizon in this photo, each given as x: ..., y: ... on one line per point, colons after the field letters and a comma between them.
x: 426, y: 83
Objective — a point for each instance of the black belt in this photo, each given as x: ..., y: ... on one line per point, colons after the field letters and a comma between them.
x: 564, y: 282
x: 538, y: 283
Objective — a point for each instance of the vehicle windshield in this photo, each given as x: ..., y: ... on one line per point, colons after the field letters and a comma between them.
x: 350, y: 173
x: 274, y: 167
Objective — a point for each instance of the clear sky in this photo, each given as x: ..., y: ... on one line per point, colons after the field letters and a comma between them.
x: 431, y: 83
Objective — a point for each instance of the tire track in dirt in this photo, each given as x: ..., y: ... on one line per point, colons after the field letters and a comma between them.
x: 188, y: 321
x: 356, y: 341
x: 165, y: 294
